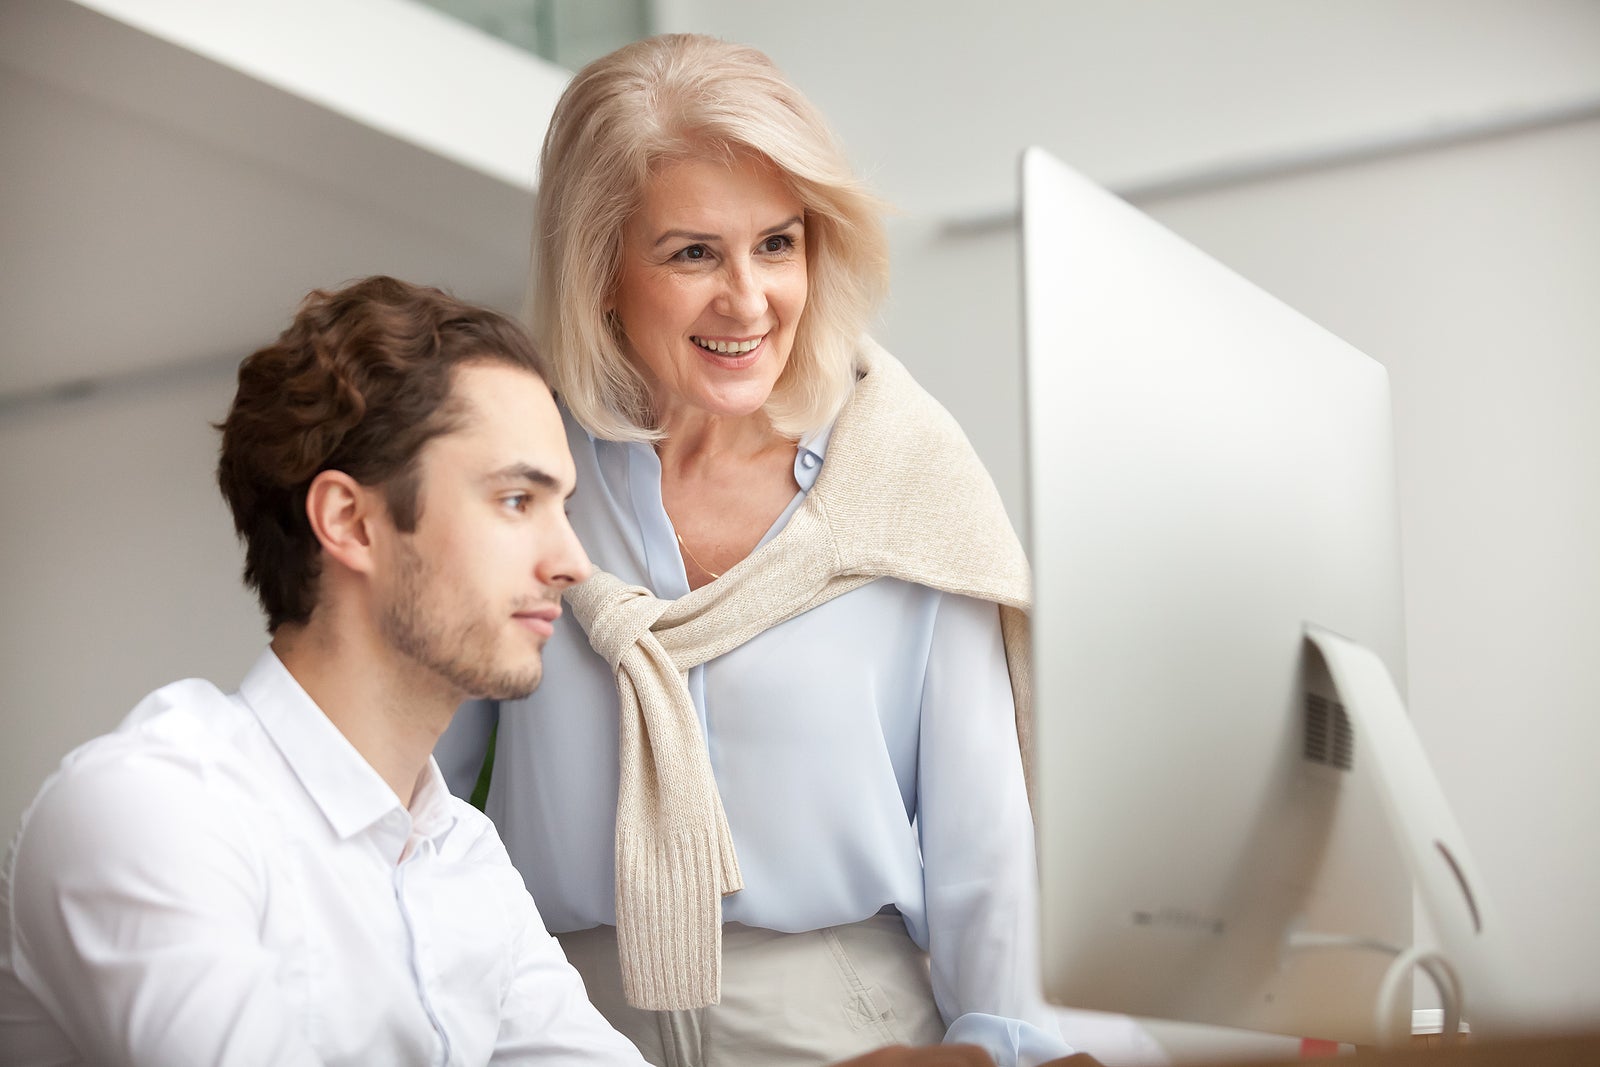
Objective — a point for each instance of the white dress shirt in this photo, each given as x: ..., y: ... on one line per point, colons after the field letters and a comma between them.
x: 224, y: 880
x: 865, y: 751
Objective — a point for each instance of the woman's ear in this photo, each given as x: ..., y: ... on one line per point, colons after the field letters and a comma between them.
x: 341, y: 511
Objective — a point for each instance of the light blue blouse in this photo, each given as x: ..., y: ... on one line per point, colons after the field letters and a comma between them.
x: 865, y: 752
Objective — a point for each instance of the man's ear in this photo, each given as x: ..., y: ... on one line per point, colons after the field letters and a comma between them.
x: 342, y: 512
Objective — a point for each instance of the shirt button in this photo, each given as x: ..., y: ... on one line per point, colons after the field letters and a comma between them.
x: 808, y: 461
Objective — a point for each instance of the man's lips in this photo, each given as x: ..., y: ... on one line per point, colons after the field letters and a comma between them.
x: 541, y: 621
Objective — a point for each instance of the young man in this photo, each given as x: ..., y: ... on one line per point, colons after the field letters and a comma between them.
x: 278, y: 876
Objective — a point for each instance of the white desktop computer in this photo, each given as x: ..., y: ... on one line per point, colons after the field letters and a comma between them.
x: 1233, y: 811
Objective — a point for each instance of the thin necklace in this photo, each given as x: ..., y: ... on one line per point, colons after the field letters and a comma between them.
x: 683, y: 545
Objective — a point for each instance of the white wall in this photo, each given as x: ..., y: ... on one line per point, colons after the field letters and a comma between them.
x: 119, y: 571
x: 173, y: 188
x: 1470, y: 271
x: 934, y: 98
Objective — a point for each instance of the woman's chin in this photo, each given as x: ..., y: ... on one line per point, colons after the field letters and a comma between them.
x: 733, y: 401
x: 743, y: 407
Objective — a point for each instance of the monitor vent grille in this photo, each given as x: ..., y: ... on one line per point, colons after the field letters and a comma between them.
x: 1329, y: 739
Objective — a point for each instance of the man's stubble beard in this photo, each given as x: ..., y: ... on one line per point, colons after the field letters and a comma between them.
x: 462, y: 655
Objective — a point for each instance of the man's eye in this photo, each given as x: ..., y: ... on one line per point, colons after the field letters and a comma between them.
x: 517, y: 501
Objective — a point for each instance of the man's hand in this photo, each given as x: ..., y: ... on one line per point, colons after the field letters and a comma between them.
x: 948, y: 1056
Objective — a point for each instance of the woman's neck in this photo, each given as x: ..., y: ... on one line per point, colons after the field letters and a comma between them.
x: 724, y: 482
x: 696, y: 441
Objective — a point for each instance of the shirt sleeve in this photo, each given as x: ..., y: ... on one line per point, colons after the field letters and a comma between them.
x: 546, y: 1017
x: 137, y: 924
x: 976, y: 832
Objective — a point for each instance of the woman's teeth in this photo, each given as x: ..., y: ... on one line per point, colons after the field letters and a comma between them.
x: 728, y: 348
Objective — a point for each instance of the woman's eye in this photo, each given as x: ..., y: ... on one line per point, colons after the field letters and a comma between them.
x: 777, y: 243
x: 694, y: 253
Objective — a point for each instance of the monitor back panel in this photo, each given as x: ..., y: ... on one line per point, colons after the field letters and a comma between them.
x: 1208, y: 470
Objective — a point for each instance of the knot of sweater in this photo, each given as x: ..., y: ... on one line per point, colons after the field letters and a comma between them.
x: 614, y: 614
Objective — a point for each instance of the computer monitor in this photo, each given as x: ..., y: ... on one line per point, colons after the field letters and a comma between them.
x: 1233, y: 809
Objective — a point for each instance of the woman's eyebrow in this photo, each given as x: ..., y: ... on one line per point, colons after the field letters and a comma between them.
x: 798, y: 220
x: 684, y: 235
x: 706, y: 238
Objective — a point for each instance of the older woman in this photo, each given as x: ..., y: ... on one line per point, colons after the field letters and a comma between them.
x: 771, y: 796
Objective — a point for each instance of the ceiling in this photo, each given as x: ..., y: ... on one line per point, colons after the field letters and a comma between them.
x: 164, y: 209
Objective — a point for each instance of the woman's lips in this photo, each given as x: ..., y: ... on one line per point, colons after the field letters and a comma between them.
x: 731, y: 360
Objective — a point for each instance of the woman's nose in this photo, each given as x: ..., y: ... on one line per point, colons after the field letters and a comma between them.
x: 743, y: 298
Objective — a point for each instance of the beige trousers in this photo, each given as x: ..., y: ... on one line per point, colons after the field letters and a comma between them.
x: 788, y: 1000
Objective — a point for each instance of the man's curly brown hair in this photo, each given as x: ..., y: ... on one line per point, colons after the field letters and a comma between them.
x: 359, y: 382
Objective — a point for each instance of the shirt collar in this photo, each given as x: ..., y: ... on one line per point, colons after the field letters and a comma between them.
x: 432, y: 813
x: 351, y: 795
x: 809, y: 456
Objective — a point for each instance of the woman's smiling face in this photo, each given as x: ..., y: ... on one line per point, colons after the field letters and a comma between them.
x: 712, y: 284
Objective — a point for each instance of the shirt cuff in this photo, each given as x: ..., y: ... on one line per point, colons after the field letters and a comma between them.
x: 1011, y: 1042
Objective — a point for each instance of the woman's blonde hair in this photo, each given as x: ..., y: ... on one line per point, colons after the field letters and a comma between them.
x: 665, y: 99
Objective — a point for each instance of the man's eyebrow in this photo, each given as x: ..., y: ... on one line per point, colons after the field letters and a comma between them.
x: 525, y: 472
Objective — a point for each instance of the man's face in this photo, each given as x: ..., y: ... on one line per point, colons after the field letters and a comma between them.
x: 471, y: 595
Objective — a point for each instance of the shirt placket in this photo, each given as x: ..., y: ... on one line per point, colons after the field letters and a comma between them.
x: 408, y: 880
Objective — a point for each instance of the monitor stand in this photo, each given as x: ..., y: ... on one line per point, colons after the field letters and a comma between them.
x: 1472, y: 944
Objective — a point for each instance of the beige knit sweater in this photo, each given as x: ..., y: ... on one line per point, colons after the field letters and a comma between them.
x: 901, y: 495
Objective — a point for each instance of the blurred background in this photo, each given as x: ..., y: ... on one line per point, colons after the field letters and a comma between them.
x: 1422, y: 177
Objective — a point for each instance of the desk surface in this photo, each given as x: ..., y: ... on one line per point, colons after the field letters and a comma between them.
x: 1576, y: 1051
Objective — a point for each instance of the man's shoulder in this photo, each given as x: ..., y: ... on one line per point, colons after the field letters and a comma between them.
x: 147, y: 802
x: 175, y: 741
x: 189, y: 723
